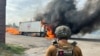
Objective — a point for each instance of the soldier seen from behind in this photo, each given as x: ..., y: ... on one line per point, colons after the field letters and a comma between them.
x: 61, y: 46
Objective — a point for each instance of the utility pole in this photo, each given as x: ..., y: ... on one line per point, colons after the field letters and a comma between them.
x: 2, y: 20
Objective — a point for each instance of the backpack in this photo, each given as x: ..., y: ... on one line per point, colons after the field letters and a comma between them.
x: 65, y: 50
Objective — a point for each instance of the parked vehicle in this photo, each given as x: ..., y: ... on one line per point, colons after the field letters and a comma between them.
x: 32, y: 28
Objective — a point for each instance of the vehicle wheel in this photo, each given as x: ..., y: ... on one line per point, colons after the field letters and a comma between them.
x: 42, y: 34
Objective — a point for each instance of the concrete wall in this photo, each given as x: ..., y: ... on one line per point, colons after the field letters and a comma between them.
x: 2, y: 20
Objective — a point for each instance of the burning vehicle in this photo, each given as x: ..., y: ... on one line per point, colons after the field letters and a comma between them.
x: 32, y: 28
x: 65, y: 12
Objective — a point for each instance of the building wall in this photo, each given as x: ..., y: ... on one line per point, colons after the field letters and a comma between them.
x: 2, y: 20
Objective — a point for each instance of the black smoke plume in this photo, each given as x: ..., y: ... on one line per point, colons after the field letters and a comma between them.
x: 64, y: 12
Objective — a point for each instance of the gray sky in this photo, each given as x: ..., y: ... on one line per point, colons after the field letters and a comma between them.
x: 24, y: 10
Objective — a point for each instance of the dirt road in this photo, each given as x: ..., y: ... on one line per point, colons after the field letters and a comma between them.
x: 38, y: 45
x: 27, y: 41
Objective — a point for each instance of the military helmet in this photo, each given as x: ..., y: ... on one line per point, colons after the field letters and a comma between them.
x: 63, y: 32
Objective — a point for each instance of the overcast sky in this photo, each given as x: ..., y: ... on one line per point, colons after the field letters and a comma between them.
x: 24, y: 10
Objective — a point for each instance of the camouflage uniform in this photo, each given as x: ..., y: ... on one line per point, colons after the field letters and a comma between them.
x: 52, y: 50
x: 62, y: 33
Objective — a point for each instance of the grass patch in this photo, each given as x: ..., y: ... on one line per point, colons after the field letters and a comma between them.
x: 6, y: 49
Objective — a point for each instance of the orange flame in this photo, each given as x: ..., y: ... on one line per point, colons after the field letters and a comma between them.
x: 12, y: 30
x: 50, y: 34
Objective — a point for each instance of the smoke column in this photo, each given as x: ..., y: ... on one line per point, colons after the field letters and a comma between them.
x: 64, y: 12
